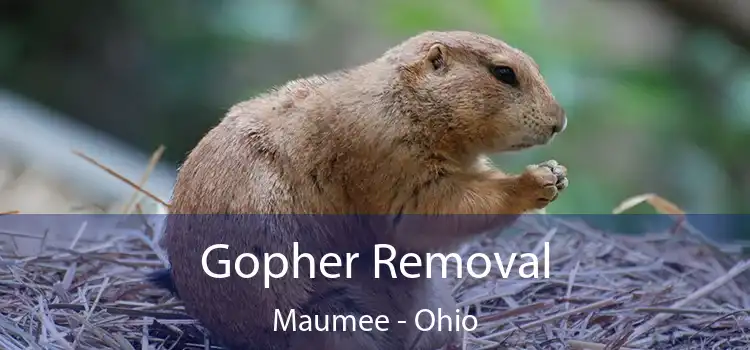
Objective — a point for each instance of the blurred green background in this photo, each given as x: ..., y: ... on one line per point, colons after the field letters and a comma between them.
x: 658, y: 98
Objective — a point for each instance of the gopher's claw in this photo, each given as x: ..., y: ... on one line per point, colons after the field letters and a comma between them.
x: 546, y: 181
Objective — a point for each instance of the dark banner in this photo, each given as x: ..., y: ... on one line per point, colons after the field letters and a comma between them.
x: 260, y: 280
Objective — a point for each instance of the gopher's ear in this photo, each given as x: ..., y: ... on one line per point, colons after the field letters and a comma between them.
x: 436, y: 57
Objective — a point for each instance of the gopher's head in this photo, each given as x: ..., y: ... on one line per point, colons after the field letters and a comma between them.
x: 477, y: 91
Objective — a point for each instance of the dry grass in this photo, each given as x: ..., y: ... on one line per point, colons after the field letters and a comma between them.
x: 662, y: 290
x: 657, y: 291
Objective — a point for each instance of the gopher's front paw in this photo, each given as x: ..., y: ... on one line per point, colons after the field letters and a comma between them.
x: 542, y: 183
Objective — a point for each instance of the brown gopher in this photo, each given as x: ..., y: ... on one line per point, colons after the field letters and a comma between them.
x: 408, y: 133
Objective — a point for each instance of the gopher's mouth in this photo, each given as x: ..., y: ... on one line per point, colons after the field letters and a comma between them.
x: 530, y: 142
x: 520, y: 146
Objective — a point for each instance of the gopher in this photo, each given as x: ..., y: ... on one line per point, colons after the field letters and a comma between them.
x: 407, y: 133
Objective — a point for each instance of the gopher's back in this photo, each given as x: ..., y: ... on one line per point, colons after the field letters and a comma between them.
x: 239, y: 166
x: 281, y: 153
x: 310, y: 146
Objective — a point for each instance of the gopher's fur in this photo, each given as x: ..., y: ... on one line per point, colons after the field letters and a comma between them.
x: 408, y: 133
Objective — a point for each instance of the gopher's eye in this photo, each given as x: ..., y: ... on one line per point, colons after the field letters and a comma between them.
x: 505, y: 74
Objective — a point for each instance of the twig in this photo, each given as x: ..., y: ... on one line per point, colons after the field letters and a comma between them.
x: 121, y: 178
x: 590, y: 307
x: 123, y: 311
x: 153, y: 161
x: 584, y: 345
x: 669, y: 310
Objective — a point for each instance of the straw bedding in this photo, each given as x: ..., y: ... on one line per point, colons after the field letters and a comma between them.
x: 659, y: 290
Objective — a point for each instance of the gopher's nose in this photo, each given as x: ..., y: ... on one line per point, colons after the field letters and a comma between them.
x: 562, y: 120
x: 560, y: 127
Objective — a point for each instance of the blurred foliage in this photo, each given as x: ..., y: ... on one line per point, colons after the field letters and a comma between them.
x: 153, y: 72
